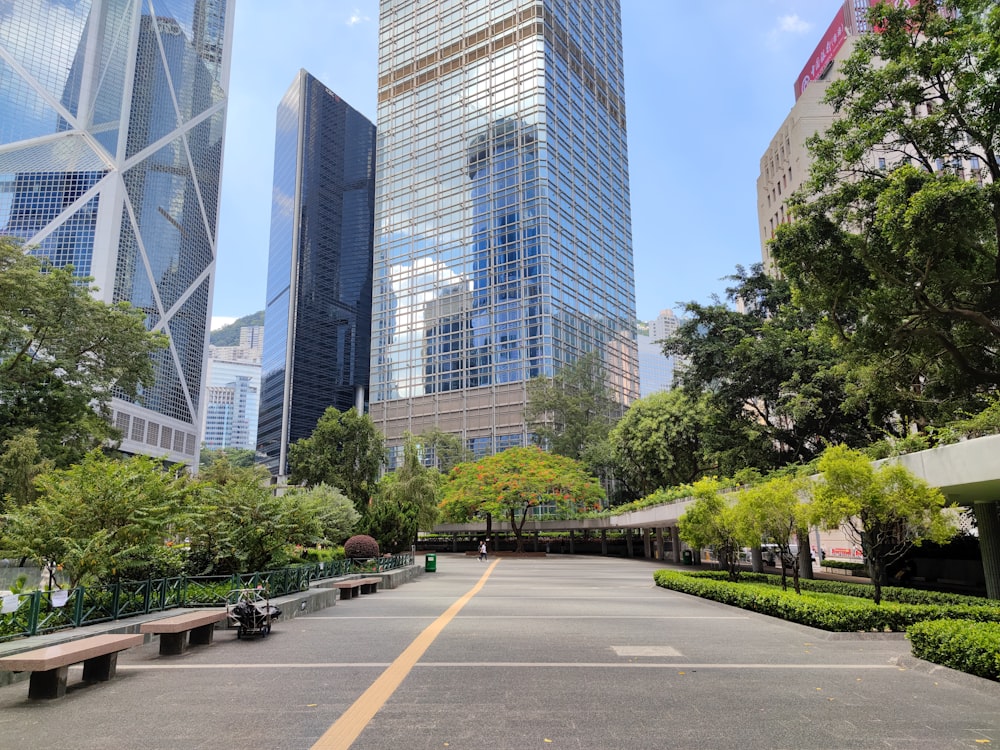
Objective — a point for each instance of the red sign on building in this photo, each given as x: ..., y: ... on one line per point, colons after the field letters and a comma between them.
x: 822, y: 57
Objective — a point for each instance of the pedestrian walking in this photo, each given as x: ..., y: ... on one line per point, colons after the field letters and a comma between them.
x: 482, y: 550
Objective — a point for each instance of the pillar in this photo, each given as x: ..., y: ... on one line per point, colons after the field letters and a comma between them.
x: 675, y: 545
x: 604, y: 542
x: 536, y: 540
x: 571, y: 540
x: 646, y: 547
x: 629, y: 551
x: 988, y: 522
x: 659, y: 542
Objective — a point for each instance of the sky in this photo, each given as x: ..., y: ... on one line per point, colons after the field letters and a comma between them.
x: 707, y: 84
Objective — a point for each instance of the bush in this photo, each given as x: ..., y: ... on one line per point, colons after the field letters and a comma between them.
x: 360, y: 546
x: 972, y: 647
x: 325, y: 554
x: 843, y: 564
x: 817, y: 608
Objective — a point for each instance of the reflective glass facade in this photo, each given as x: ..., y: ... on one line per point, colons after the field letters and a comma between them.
x: 317, y: 322
x: 503, y: 244
x: 111, y: 131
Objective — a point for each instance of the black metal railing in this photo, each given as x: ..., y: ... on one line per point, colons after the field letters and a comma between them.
x: 44, y: 611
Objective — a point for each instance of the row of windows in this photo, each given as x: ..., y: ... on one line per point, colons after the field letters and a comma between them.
x: 141, y: 430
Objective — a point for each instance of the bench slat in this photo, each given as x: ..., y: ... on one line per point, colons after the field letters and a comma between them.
x: 186, y: 621
x: 72, y: 652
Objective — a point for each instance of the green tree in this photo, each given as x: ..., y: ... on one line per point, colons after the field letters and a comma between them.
x: 242, y: 458
x: 21, y: 463
x: 658, y: 443
x: 405, y: 502
x: 775, y: 391
x: 444, y: 448
x: 337, y: 516
x: 101, y: 519
x: 62, y: 354
x: 509, y: 484
x: 345, y: 451
x: 241, y: 526
x: 712, y: 521
x: 884, y: 510
x: 901, y: 261
x: 391, y: 523
x: 574, y: 410
x: 775, y: 511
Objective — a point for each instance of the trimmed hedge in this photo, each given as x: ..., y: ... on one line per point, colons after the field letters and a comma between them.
x: 972, y: 647
x: 842, y: 564
x: 899, y: 594
x: 844, y: 613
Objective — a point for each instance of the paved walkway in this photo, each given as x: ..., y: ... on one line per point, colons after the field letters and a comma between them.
x: 560, y: 652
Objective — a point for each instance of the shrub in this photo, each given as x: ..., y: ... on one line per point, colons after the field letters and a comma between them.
x: 325, y: 554
x: 972, y: 647
x: 362, y: 546
x: 843, y: 613
x: 843, y: 564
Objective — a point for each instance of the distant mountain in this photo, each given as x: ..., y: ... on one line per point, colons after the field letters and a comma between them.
x: 230, y: 335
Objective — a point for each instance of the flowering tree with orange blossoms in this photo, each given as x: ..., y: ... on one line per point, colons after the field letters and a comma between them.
x: 510, y: 483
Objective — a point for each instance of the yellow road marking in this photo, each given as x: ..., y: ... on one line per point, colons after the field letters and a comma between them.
x: 345, y: 730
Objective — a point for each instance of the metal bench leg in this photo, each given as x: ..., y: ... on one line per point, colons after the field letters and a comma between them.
x: 100, y: 668
x: 202, y: 635
x: 48, y: 684
x: 172, y: 644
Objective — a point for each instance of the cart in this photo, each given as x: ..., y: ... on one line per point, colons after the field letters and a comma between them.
x: 252, y: 612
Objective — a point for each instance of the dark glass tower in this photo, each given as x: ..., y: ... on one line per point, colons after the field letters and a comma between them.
x: 503, y: 246
x: 319, y: 280
x: 112, y: 116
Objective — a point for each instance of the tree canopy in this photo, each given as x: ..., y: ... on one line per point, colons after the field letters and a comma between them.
x: 885, y: 509
x: 574, y: 410
x: 101, y: 519
x: 405, y: 502
x: 345, y: 451
x: 62, y: 355
x: 894, y: 238
x: 509, y: 484
x: 659, y: 442
x: 774, y: 390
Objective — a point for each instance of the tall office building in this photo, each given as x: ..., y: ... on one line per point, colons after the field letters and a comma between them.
x: 317, y: 322
x: 656, y: 371
x: 784, y: 167
x: 233, y: 396
x: 503, y: 247
x: 111, y: 131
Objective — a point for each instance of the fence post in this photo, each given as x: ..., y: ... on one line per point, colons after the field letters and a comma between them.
x: 78, y: 595
x: 35, y: 607
x: 116, y: 600
x: 148, y: 596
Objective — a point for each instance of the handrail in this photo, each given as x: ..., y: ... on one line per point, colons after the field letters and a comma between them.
x: 46, y: 611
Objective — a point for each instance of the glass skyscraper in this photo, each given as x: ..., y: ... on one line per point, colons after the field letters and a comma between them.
x: 112, y: 118
x: 503, y: 244
x: 317, y: 322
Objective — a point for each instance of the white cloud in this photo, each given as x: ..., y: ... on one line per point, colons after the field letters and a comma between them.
x: 793, y: 25
x: 356, y: 18
x: 218, y: 321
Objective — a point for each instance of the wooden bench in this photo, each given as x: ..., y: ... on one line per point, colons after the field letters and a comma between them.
x: 173, y: 631
x: 356, y: 586
x: 49, y: 665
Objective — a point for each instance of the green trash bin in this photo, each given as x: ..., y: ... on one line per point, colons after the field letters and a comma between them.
x: 688, y: 560
x: 430, y: 563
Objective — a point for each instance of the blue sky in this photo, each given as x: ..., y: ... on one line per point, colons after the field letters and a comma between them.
x: 707, y: 85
